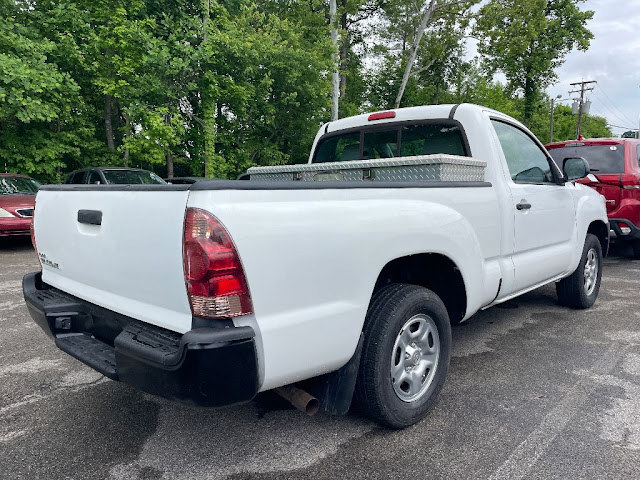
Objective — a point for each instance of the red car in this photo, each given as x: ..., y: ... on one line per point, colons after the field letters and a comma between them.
x: 17, y: 200
x: 615, y: 168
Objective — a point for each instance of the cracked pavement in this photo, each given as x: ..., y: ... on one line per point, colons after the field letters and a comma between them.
x: 535, y: 390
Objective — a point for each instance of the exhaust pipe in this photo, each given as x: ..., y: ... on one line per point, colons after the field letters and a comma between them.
x: 300, y: 399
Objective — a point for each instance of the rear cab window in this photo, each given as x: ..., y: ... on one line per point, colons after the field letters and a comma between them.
x: 390, y: 141
x: 602, y: 158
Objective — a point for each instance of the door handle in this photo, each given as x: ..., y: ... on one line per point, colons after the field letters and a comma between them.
x: 90, y: 217
x: 523, y: 205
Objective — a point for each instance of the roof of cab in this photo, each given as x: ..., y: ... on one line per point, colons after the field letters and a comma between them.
x: 424, y: 112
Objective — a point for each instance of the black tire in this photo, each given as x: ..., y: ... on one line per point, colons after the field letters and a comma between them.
x: 572, y: 291
x: 635, y: 245
x: 390, y: 310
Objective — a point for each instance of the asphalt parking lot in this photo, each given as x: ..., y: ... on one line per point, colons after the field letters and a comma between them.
x: 534, y: 391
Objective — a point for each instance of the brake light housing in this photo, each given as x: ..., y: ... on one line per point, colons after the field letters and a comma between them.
x: 630, y: 181
x: 624, y: 228
x: 381, y: 115
x: 216, y: 284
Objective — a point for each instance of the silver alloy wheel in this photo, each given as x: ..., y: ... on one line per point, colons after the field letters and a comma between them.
x: 590, y: 272
x: 414, y: 358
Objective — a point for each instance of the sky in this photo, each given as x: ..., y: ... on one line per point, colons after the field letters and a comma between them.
x: 613, y: 60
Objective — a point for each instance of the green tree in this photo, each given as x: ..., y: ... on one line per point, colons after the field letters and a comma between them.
x: 528, y: 39
x: 41, y: 113
x: 420, y: 53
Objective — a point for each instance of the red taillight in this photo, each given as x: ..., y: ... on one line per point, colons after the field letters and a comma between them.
x: 624, y: 228
x: 381, y: 115
x: 216, y: 284
x: 630, y: 181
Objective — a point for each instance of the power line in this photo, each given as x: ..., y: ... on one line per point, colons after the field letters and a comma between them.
x: 608, y: 112
x: 618, y: 126
x: 627, y: 119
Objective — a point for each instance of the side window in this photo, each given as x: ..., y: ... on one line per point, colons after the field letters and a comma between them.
x: 526, y: 161
x: 94, y: 178
x: 77, y: 177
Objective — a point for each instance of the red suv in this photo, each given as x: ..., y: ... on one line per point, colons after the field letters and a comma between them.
x: 615, y: 168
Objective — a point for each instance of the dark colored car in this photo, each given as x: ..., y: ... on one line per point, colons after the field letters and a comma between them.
x: 17, y: 201
x: 113, y: 176
x: 184, y: 180
x: 615, y: 168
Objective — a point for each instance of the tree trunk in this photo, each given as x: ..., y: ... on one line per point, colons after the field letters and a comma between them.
x: 529, y: 100
x: 208, y: 107
x: 335, y: 77
x: 414, y: 51
x: 344, y: 52
x: 127, y: 134
x: 107, y: 122
x: 169, y: 158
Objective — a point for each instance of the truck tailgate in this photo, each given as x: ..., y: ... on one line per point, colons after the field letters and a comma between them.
x: 118, y: 248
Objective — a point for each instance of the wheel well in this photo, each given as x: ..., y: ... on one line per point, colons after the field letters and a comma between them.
x: 433, y: 271
x: 600, y: 230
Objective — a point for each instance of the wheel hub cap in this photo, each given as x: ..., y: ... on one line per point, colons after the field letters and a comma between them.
x: 414, y: 358
x: 590, y: 272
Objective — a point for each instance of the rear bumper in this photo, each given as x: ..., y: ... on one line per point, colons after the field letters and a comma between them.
x: 615, y: 228
x: 212, y: 366
x: 15, y: 226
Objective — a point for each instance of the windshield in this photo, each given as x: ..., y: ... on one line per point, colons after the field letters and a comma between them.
x: 122, y: 177
x: 601, y: 158
x: 17, y: 185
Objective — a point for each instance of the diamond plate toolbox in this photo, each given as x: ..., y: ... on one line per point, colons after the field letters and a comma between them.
x: 422, y: 168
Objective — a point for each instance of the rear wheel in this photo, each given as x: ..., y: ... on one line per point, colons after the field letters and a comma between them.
x: 635, y: 245
x: 405, y: 356
x: 580, y: 289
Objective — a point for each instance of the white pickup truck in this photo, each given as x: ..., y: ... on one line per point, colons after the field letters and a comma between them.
x: 212, y: 292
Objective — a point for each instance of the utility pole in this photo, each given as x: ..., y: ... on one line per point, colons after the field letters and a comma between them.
x: 581, y: 104
x: 553, y: 102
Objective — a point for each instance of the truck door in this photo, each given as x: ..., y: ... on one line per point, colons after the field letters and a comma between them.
x: 543, y: 210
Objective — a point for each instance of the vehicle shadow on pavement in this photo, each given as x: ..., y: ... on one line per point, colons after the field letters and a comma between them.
x: 265, y: 435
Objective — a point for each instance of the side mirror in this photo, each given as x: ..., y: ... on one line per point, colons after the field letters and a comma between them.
x: 575, y: 168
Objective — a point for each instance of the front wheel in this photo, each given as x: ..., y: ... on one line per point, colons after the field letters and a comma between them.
x: 405, y: 356
x: 580, y: 289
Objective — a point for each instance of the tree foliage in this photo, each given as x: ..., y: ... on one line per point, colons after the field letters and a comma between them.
x: 186, y: 87
x: 527, y: 39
